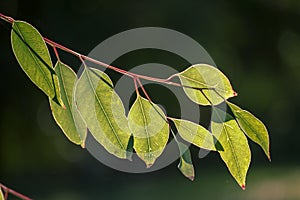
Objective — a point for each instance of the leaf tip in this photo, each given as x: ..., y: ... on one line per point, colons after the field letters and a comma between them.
x: 129, y: 156
x: 243, y: 187
x: 149, y: 165
x: 235, y: 93
x: 191, y: 178
x: 269, y: 155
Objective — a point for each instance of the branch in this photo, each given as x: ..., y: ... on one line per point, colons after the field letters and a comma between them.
x: 82, y: 57
x: 7, y: 190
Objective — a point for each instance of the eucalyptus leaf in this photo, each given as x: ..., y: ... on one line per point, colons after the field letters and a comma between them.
x: 33, y: 56
x: 186, y: 165
x: 252, y: 127
x: 150, y: 129
x: 68, y: 118
x: 103, y: 111
x: 195, y: 134
x: 236, y: 154
x: 205, y: 84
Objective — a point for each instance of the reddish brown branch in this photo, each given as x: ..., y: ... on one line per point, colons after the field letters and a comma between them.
x: 7, y: 191
x: 82, y: 57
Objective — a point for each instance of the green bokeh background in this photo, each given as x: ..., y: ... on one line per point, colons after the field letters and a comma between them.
x: 256, y: 43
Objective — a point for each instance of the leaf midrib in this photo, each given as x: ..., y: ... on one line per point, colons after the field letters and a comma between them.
x: 233, y: 152
x: 197, y: 135
x: 249, y: 125
x: 103, y: 110
x: 64, y: 86
x: 68, y: 103
x: 29, y: 50
x: 232, y: 149
x: 193, y: 80
x: 206, y: 85
x: 145, y: 126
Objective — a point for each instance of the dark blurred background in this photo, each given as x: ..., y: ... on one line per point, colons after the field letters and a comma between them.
x: 256, y: 43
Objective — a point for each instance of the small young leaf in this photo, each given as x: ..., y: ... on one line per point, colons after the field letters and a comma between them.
x: 195, y: 134
x: 236, y: 154
x: 186, y: 165
x: 68, y: 118
x: 103, y: 111
x: 252, y: 127
x: 1, y: 195
x: 33, y: 56
x: 150, y: 129
x: 216, y: 84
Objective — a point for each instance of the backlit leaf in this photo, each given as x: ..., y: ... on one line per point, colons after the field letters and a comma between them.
x: 216, y: 84
x: 68, y: 118
x: 195, y: 134
x: 33, y: 56
x: 1, y: 195
x: 186, y: 165
x: 103, y: 111
x: 150, y: 129
x: 252, y: 127
x: 236, y: 154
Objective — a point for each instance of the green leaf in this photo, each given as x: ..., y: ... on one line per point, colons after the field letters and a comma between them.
x: 68, y: 118
x: 58, y: 95
x: 186, y: 165
x: 195, y: 134
x: 103, y: 111
x: 236, y: 154
x: 33, y: 56
x: 252, y: 127
x: 150, y: 129
x: 129, y: 148
x: 216, y: 84
x: 1, y: 195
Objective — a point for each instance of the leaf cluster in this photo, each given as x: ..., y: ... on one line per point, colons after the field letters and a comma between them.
x: 90, y: 103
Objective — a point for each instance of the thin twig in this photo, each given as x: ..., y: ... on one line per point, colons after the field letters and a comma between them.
x: 13, y: 192
x: 144, y: 91
x: 56, y: 46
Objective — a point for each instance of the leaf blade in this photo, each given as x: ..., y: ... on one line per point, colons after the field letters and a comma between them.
x: 236, y: 154
x: 206, y: 76
x: 194, y: 134
x: 103, y: 111
x: 186, y: 164
x: 1, y: 195
x: 150, y: 130
x: 68, y: 118
x: 252, y: 127
x: 33, y: 56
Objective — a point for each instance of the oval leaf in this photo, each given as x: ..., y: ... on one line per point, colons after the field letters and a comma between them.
x: 252, y: 127
x: 195, y: 134
x: 33, y: 56
x: 205, y: 84
x: 236, y: 154
x: 186, y: 165
x: 103, y: 111
x: 150, y: 129
x: 68, y: 118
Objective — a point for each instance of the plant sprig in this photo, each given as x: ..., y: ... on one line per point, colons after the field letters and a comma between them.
x: 71, y: 98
